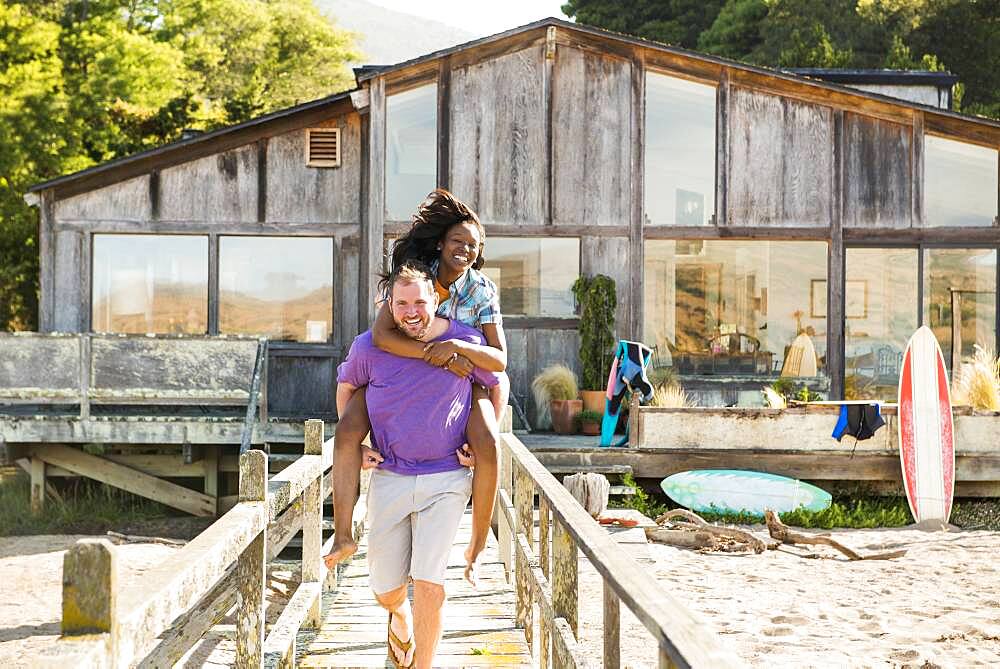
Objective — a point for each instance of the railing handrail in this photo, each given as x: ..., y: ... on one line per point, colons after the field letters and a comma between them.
x: 683, y: 640
x: 104, y: 626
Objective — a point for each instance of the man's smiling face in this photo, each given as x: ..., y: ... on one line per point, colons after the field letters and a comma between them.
x: 413, y: 306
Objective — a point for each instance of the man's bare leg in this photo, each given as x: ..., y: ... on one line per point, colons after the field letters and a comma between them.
x: 352, y: 428
x: 428, y: 599
x: 482, y: 432
x: 401, y: 623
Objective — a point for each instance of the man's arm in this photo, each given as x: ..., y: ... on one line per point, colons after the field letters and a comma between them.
x: 344, y: 393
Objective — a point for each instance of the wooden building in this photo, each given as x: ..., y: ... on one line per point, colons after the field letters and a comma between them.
x: 747, y: 215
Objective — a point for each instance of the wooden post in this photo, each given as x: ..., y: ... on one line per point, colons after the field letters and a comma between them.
x: 312, y: 522
x: 523, y: 524
x: 89, y: 595
x: 85, y: 364
x: 565, y: 597
x: 212, y: 473
x: 612, y: 628
x: 37, y: 484
x: 251, y: 568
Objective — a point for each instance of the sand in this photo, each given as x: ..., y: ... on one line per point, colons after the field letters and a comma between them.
x: 938, y: 606
x: 31, y: 597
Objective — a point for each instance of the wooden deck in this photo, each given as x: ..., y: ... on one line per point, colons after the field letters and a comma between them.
x: 479, y: 627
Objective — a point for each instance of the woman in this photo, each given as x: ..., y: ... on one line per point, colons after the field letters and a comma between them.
x: 448, y: 236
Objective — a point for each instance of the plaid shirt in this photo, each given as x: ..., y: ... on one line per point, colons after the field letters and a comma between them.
x: 474, y: 300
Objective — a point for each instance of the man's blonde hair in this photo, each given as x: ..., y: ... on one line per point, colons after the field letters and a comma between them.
x: 411, y: 271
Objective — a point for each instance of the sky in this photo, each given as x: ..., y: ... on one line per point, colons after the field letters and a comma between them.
x: 480, y: 17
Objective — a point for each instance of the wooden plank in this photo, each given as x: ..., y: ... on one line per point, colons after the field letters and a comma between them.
x: 213, y: 284
x: 210, y: 465
x: 127, y: 479
x: 39, y: 365
x: 722, y: 100
x: 917, y: 170
x: 565, y: 591
x: 312, y: 521
x: 37, y: 485
x: 591, y: 151
x: 612, y: 629
x: 836, y: 267
x: 497, y: 157
x: 877, y: 173
x: 526, y: 230
x: 262, y: 179
x: 524, y: 496
x: 66, y: 286
x: 637, y: 140
x: 443, y: 122
x: 279, y: 647
x: 46, y: 262
x: 123, y: 200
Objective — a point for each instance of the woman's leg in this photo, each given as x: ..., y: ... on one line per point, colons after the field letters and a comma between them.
x: 352, y: 428
x: 482, y: 432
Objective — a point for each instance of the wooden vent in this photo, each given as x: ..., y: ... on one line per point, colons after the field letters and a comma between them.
x: 323, y: 147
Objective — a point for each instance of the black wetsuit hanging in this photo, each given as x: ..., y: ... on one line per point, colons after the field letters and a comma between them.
x: 861, y: 421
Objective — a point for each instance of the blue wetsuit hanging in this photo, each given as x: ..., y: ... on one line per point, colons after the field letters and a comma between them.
x: 628, y: 374
x: 861, y: 421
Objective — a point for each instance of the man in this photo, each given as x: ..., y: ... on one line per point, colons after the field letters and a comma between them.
x: 419, y: 490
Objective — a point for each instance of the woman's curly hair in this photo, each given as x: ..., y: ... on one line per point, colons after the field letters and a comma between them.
x: 435, y: 216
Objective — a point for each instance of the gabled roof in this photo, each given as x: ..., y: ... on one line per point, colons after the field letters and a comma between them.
x: 197, y: 146
x: 237, y: 135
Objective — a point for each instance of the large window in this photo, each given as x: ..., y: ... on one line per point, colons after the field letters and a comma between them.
x: 680, y: 151
x: 880, y: 315
x: 960, y: 183
x: 410, y: 150
x: 960, y: 300
x: 729, y: 316
x: 281, y: 287
x: 534, y: 274
x: 150, y: 284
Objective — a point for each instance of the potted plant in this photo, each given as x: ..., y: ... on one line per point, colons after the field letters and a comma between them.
x: 589, y: 422
x: 555, y: 391
x: 596, y: 301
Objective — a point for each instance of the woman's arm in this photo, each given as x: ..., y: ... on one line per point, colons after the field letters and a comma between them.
x: 386, y: 337
x: 491, y: 357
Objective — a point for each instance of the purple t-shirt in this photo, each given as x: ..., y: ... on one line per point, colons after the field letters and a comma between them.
x: 417, y: 411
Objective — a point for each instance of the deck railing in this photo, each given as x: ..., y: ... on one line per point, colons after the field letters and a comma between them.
x: 547, y: 578
x: 156, y: 621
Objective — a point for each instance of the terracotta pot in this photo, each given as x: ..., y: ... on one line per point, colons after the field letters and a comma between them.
x: 593, y: 400
x: 590, y: 428
x: 563, y: 412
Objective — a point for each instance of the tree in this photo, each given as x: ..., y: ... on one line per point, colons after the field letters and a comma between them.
x: 86, y: 81
x: 677, y: 22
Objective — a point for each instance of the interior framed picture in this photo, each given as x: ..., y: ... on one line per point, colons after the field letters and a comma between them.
x: 855, y: 298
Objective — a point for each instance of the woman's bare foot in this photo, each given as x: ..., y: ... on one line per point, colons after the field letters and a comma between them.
x: 341, y: 551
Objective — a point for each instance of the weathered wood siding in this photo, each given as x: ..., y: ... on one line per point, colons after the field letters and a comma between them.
x: 877, y: 173
x: 529, y: 351
x: 126, y: 201
x: 498, y: 154
x: 70, y: 270
x: 302, y: 383
x: 346, y: 293
x: 216, y: 189
x: 49, y: 363
x: 215, y: 367
x: 300, y: 194
x: 591, y: 151
x: 780, y: 161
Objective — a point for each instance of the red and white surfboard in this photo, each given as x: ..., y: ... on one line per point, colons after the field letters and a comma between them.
x: 926, y: 442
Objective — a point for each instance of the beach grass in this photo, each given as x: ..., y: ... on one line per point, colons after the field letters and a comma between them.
x: 88, y: 508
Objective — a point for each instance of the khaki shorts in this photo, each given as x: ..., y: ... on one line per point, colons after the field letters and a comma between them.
x: 412, y: 523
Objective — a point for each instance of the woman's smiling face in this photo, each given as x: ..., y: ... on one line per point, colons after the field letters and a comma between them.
x: 460, y: 247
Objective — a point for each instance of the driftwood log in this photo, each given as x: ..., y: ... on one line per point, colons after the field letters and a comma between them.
x: 785, y: 535
x: 695, y: 532
x: 591, y: 490
x: 118, y: 539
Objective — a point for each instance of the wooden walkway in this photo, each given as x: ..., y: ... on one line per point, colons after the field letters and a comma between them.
x: 479, y: 628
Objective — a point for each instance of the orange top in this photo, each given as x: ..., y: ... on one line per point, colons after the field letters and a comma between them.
x: 441, y: 291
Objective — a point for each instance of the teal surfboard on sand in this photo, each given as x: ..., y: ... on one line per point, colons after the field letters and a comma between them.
x: 735, y: 490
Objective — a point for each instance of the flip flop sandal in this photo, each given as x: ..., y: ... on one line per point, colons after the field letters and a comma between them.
x: 620, y: 522
x: 404, y: 646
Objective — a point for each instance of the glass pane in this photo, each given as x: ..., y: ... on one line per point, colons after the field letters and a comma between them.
x: 680, y: 151
x: 960, y: 300
x: 727, y: 317
x: 534, y: 274
x: 960, y: 182
x: 150, y: 284
x: 410, y: 150
x: 276, y: 286
x: 875, y: 336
